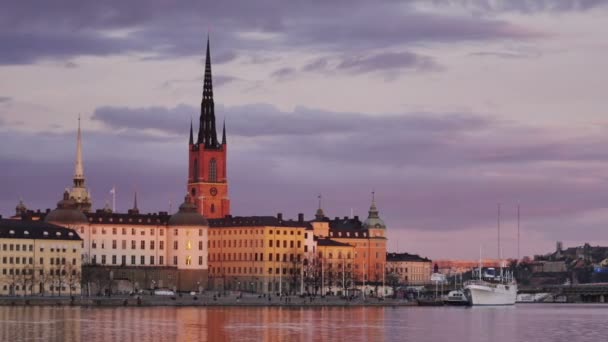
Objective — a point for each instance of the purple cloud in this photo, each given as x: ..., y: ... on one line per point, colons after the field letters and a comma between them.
x: 164, y: 30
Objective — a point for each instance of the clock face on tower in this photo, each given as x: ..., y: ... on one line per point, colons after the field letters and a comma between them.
x: 213, y: 191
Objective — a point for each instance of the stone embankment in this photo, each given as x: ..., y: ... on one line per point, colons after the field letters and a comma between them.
x: 202, y: 300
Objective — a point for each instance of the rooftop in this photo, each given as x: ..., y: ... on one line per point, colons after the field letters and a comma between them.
x: 331, y: 243
x: 18, y: 229
x: 405, y: 257
x: 258, y: 221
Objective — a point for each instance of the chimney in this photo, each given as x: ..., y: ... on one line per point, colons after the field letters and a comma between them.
x: 280, y: 216
x: 356, y: 217
x: 300, y: 217
x: 345, y: 218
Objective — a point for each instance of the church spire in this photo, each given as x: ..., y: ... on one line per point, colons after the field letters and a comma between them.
x: 79, y: 191
x: 79, y: 168
x: 207, y: 134
x: 319, y: 215
x: 191, y: 141
x: 373, y: 210
x: 224, y: 133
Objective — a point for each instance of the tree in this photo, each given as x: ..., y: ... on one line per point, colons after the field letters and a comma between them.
x: 73, y: 277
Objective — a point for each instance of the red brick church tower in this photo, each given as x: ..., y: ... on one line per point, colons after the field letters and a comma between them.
x: 207, y: 174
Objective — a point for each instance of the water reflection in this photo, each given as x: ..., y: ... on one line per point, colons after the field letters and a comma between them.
x: 521, y: 323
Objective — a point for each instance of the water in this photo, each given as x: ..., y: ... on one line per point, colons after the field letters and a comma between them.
x: 520, y: 323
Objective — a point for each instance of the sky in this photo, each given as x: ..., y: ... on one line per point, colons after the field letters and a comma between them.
x: 444, y: 108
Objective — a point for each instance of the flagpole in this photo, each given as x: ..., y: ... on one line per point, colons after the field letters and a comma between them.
x: 114, y: 198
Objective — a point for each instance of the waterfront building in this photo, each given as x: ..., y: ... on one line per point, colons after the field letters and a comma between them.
x: 142, y: 241
x: 408, y: 269
x: 264, y: 254
x: 38, y: 258
x: 203, y: 246
x: 207, y: 167
x: 333, y: 268
x: 368, y: 239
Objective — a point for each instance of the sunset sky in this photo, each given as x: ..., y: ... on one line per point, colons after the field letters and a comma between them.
x: 444, y: 108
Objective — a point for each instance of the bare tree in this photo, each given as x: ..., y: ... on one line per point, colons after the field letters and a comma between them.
x: 73, y: 277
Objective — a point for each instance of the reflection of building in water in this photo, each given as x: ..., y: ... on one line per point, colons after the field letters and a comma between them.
x: 40, y: 323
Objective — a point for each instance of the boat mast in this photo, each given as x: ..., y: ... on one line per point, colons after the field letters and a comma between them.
x: 499, y: 249
x: 480, y: 265
x: 518, y: 255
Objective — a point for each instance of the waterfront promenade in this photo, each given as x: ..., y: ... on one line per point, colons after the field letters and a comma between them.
x: 206, y: 299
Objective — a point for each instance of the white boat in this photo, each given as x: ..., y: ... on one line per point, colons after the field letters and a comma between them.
x: 491, y: 289
x: 532, y: 297
x: 456, y: 297
x: 481, y: 292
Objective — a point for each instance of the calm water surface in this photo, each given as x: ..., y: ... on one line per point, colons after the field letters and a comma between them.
x: 520, y: 323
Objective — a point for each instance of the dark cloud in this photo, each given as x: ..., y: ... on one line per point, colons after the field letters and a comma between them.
x: 387, y: 61
x: 525, y: 6
x: 424, y: 139
x: 283, y: 73
x: 4, y: 99
x: 381, y: 62
x: 507, y: 55
x: 170, y: 120
x: 163, y: 30
x: 317, y: 65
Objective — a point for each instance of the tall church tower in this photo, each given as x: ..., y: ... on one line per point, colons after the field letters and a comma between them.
x: 207, y: 174
x: 79, y: 191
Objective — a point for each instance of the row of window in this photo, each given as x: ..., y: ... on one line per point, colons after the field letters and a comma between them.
x: 31, y: 287
x: 253, y: 257
x: 29, y: 271
x: 254, y: 232
x: 142, y: 245
x: 142, y: 260
x: 142, y: 231
x: 30, y: 261
x: 255, y: 244
x: 17, y: 247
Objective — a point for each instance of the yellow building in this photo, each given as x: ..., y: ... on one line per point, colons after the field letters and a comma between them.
x: 38, y: 258
x: 332, y: 270
x: 263, y: 254
x: 408, y: 269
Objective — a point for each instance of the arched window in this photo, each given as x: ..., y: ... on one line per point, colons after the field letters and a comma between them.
x: 212, y: 170
x: 195, y: 168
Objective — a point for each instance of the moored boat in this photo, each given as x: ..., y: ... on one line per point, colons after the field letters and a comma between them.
x: 456, y: 297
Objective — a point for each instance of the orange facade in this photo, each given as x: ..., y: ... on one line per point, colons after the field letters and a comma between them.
x: 208, y: 181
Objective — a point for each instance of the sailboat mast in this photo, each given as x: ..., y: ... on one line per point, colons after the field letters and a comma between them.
x: 499, y: 247
x: 518, y: 255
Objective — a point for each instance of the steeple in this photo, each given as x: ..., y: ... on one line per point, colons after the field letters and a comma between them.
x: 319, y: 215
x: 373, y: 210
x: 207, y: 134
x: 191, y: 141
x: 79, y: 168
x: 135, y: 209
x: 79, y: 192
x: 224, y: 133
x: 373, y: 218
